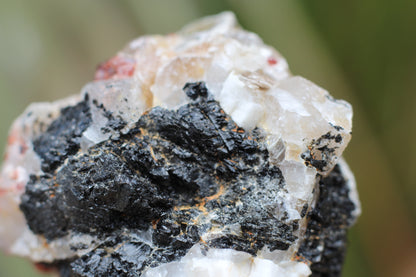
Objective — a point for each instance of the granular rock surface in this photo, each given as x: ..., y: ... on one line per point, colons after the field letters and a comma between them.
x: 194, y: 154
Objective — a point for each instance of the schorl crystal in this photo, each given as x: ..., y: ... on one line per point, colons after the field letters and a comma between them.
x: 326, y: 235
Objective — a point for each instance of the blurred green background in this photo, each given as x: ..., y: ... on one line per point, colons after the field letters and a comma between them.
x: 363, y: 51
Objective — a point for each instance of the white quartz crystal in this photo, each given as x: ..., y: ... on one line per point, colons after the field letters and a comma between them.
x: 253, y: 85
x: 225, y: 263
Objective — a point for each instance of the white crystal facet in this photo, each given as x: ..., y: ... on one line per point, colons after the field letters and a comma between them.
x: 227, y: 263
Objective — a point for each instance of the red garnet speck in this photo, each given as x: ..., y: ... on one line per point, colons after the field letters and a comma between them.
x: 117, y: 67
x: 272, y: 61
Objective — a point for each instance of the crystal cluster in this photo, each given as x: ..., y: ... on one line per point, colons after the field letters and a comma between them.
x: 191, y: 154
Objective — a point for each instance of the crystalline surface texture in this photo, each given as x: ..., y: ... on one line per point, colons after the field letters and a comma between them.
x: 193, y: 154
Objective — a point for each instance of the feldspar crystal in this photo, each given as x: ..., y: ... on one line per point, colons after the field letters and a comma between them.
x: 191, y: 154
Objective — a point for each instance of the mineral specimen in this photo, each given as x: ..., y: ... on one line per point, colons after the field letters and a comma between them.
x: 191, y: 154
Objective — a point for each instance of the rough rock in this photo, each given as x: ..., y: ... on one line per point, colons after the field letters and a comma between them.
x: 192, y: 154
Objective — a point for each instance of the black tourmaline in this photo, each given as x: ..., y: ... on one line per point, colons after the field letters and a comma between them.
x: 147, y: 196
x: 325, y: 242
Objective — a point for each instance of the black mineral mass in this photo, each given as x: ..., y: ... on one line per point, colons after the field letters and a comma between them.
x: 148, y: 195
x: 325, y: 242
x: 167, y: 176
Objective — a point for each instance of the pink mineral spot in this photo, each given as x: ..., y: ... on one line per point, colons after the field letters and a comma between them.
x: 12, y: 138
x: 14, y: 175
x: 271, y: 61
x: 20, y: 187
x: 118, y: 67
